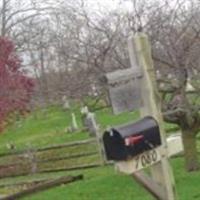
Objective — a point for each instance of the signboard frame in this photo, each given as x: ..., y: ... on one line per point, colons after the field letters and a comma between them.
x: 124, y: 90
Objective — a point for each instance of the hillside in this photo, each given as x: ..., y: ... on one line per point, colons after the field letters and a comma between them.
x: 47, y: 127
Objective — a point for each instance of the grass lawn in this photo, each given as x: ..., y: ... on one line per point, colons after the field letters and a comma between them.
x: 106, y: 184
x: 101, y: 183
x: 47, y: 127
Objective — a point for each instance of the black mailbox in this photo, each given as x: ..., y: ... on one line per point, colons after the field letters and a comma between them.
x: 130, y: 140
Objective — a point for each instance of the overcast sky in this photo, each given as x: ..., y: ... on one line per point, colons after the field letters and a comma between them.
x: 109, y: 4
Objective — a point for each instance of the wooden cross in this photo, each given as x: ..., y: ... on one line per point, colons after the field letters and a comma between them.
x: 161, y: 184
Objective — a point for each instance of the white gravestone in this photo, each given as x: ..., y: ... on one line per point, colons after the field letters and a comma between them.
x: 65, y: 101
x: 89, y: 121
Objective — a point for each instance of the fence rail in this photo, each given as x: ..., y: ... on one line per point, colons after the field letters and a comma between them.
x: 30, y: 161
x: 50, y: 147
x: 43, y: 186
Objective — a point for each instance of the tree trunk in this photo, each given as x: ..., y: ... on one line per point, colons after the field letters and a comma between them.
x: 190, y: 150
x: 3, y: 18
x: 44, y: 85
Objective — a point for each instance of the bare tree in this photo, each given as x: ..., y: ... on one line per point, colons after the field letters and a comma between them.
x: 174, y: 31
x: 15, y: 13
x: 175, y: 35
x: 77, y: 46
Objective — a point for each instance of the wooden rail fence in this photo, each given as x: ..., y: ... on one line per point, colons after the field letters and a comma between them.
x: 28, y: 163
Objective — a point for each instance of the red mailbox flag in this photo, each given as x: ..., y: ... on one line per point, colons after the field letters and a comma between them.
x: 132, y: 140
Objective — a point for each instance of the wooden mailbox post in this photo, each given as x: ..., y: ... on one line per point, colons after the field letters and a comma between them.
x: 161, y: 183
x: 161, y: 171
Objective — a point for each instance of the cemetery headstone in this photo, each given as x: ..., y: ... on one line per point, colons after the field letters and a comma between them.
x: 89, y: 121
x: 91, y: 124
x: 66, y: 104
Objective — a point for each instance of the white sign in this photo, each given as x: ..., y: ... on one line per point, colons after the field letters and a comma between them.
x: 139, y: 162
x: 124, y: 90
x: 151, y: 157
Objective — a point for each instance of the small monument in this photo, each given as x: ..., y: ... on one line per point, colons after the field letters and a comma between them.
x: 65, y: 102
x: 89, y: 121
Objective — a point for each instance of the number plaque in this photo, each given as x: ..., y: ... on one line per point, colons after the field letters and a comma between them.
x: 140, y: 162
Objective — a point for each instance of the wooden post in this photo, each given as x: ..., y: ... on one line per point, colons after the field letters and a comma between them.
x: 100, y: 147
x: 98, y: 136
x: 161, y: 172
x: 74, y: 122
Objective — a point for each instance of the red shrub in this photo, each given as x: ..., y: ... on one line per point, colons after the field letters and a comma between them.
x: 15, y: 86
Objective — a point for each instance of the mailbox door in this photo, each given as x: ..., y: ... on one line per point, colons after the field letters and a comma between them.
x: 114, y: 146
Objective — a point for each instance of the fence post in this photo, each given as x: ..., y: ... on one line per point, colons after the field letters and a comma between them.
x: 31, y: 156
x: 100, y: 144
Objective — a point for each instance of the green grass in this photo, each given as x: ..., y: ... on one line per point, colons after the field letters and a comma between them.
x: 104, y: 183
x: 38, y: 129
x: 107, y: 184
x: 98, y: 184
x: 46, y: 127
x: 106, y: 118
